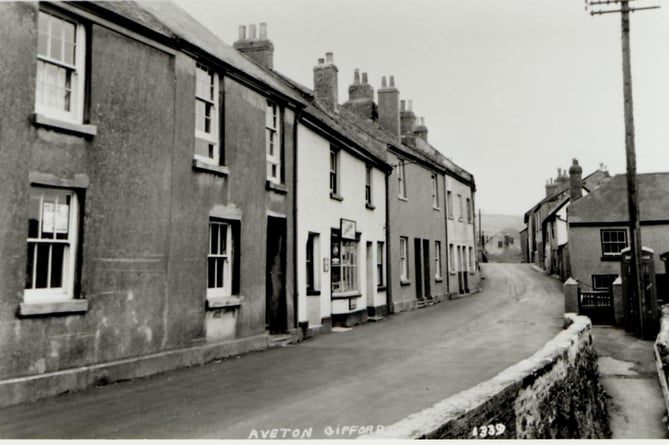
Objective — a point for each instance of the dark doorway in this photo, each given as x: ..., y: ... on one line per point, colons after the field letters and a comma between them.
x: 419, y: 270
x: 426, y: 269
x: 276, y: 310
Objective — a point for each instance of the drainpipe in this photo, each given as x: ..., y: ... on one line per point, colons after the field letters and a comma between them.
x: 389, y: 287
x: 298, y: 115
x: 448, y: 249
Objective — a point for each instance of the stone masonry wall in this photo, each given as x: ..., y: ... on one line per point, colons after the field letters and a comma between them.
x: 662, y: 354
x: 555, y: 394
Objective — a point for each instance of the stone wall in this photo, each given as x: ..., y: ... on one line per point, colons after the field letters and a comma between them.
x: 662, y: 354
x: 552, y: 395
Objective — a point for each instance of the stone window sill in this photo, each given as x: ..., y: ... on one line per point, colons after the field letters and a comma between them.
x: 336, y: 197
x: 403, y: 198
x: 202, y: 166
x: 278, y: 188
x: 53, y: 307
x: 343, y: 295
x: 405, y: 282
x: 85, y: 130
x: 313, y: 293
x: 370, y: 206
x: 381, y: 288
x: 616, y: 258
x: 438, y: 209
x: 223, y: 302
x: 438, y: 280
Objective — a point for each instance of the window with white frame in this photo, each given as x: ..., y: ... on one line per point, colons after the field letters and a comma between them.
x: 435, y: 191
x: 437, y: 260
x: 401, y: 178
x: 344, y: 261
x: 451, y: 258
x: 207, y: 124
x: 380, y: 263
x: 52, y: 244
x: 61, y: 66
x: 461, y: 208
x: 449, y: 203
x: 368, y: 185
x: 613, y: 241
x: 404, y: 258
x: 219, y: 259
x: 334, y: 171
x: 273, y: 141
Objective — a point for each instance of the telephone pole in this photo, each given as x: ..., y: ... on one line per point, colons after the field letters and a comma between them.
x: 630, y: 151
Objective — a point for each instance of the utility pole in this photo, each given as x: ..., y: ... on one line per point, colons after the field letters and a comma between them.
x: 630, y: 151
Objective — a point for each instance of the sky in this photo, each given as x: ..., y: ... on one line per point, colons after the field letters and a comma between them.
x: 510, y: 90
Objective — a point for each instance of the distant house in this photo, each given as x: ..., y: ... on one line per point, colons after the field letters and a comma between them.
x: 599, y: 229
x: 547, y: 235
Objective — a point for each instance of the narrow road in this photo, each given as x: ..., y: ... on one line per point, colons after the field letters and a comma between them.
x: 374, y: 374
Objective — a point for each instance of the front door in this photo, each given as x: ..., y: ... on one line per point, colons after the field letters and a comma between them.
x: 276, y: 310
x: 426, y: 269
x: 419, y: 270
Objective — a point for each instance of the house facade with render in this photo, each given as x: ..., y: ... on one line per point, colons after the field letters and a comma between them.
x: 599, y: 230
x: 150, y: 213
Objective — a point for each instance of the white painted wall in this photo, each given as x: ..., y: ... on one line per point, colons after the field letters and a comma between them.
x: 318, y: 213
x: 461, y: 233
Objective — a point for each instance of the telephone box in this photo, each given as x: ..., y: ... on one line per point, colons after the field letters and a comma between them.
x: 643, y: 311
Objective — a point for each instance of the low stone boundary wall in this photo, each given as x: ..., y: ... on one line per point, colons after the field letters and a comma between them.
x: 554, y: 394
x: 661, y: 348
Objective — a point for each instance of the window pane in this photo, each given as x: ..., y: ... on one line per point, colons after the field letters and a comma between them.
x: 213, y: 248
x: 219, y: 272
x: 29, y: 265
x: 42, y: 44
x: 205, y: 149
x: 57, y: 262
x: 200, y: 114
x: 42, y: 269
x: 211, y: 272
x: 56, y: 48
x: 223, y: 237
x: 68, y: 56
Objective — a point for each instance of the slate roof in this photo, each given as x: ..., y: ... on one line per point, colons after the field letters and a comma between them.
x: 609, y: 202
x: 173, y: 23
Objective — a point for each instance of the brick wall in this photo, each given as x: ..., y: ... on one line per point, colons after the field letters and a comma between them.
x: 553, y: 394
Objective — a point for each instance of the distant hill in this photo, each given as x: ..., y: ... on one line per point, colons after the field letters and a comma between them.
x: 501, y: 224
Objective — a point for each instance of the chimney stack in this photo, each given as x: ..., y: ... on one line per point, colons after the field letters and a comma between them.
x: 575, y: 181
x: 551, y: 187
x: 361, y: 98
x: 421, y: 130
x: 389, y: 107
x: 407, y: 118
x: 562, y: 180
x: 259, y: 50
x: 325, y: 83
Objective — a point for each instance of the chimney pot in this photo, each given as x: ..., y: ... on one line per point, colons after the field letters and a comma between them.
x: 321, y: 61
x: 392, y: 81
x: 364, y: 78
x: 329, y: 58
x: 403, y: 105
x: 383, y: 82
x: 242, y: 33
x: 263, y: 30
x: 252, y: 32
x: 356, y: 77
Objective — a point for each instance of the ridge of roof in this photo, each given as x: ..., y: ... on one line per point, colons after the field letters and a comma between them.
x: 608, y: 203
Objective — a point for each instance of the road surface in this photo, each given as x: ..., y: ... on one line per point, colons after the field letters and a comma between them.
x: 374, y: 374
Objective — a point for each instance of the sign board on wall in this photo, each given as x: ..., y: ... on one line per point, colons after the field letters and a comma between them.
x: 347, y: 227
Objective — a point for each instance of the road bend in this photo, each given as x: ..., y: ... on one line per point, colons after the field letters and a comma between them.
x: 374, y: 374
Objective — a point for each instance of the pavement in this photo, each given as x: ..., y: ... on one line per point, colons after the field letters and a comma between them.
x: 629, y: 376
x: 371, y: 375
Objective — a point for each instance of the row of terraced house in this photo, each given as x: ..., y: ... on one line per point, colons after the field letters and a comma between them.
x: 169, y: 199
